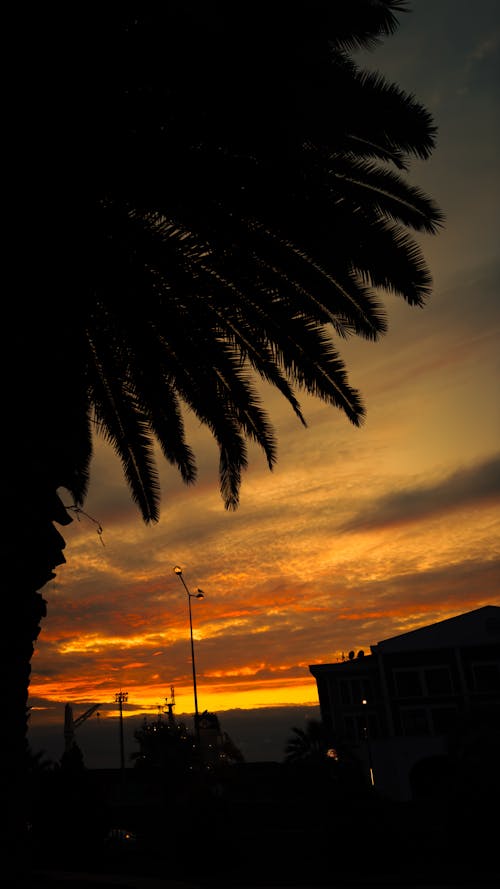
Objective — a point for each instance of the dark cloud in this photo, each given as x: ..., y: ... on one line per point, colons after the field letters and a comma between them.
x: 463, y: 489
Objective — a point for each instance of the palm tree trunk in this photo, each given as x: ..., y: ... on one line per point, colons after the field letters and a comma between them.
x: 34, y: 548
x: 22, y: 627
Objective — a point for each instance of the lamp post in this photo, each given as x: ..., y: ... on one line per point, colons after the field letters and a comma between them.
x: 368, y: 745
x: 198, y: 595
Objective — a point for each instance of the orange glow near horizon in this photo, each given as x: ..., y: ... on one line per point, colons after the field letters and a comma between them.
x: 149, y: 700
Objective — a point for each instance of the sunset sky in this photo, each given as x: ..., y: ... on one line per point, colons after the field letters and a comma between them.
x: 357, y: 534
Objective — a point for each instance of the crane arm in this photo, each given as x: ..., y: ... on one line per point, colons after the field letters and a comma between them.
x: 78, y: 721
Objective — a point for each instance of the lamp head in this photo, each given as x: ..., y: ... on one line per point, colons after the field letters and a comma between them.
x: 200, y: 594
x: 178, y: 570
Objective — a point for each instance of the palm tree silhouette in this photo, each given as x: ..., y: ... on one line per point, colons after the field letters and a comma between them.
x: 307, y: 745
x: 208, y: 198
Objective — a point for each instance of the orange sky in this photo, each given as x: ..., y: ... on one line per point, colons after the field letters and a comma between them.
x: 358, y: 534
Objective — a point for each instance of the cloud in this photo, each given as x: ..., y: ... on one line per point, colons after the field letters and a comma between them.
x: 464, y: 488
x: 358, y: 534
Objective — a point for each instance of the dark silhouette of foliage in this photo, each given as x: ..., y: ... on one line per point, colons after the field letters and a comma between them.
x: 309, y: 744
x: 331, y: 765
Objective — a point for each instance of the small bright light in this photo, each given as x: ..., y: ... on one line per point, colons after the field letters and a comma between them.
x: 178, y: 570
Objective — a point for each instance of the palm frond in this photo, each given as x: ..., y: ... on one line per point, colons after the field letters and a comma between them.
x: 121, y: 422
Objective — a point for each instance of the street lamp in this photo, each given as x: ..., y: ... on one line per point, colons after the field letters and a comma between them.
x: 368, y: 745
x: 198, y: 595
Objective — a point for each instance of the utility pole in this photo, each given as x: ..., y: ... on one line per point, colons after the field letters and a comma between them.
x: 121, y: 697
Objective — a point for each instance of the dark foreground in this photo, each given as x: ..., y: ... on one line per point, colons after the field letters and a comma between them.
x: 98, y: 833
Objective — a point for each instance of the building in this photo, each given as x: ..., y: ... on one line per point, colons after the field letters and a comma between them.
x: 400, y: 706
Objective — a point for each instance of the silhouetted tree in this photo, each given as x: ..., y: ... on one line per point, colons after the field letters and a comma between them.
x: 309, y: 744
x: 231, y: 753
x: 72, y: 759
x: 39, y: 762
x: 332, y: 765
x: 208, y: 195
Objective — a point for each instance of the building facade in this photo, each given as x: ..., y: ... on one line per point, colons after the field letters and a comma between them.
x: 401, y: 706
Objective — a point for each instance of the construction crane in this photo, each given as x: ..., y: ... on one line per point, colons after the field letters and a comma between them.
x: 70, y: 724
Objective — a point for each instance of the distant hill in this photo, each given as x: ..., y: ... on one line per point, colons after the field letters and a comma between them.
x: 261, y: 734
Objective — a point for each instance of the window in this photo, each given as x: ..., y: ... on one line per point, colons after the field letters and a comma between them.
x: 431, y: 681
x: 353, y: 691
x: 350, y: 729
x: 373, y: 725
x: 443, y: 719
x: 414, y: 722
x: 345, y: 691
x: 408, y: 683
x: 438, y: 681
x: 367, y: 690
x: 486, y: 677
x: 358, y: 727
